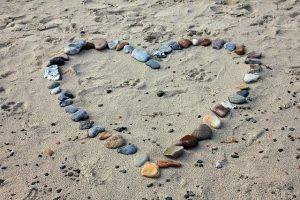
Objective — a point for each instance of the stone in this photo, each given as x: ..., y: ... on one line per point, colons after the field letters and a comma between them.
x: 253, y: 61
x: 229, y: 46
x: 174, y: 151
x: 159, y: 54
x: 240, y: 50
x: 65, y: 95
x: 205, y: 42
x: 254, y: 54
x: 251, y: 78
x: 140, y: 54
x: 100, y: 44
x: 113, y: 44
x: 104, y: 135
x: 188, y: 141
x: 94, y: 131
x: 196, y: 41
x: 65, y: 103
x: 174, y: 45
x: 128, y: 149
x: 228, y: 105
x: 121, y: 128
x: 48, y: 152
x: 128, y: 48
x: 52, y: 73
x: 153, y: 64
x: 59, y: 61
x: 75, y: 48
x: 79, y: 116
x: 243, y: 86
x: 160, y: 93
x: 86, y: 124
x: 237, y: 99
x: 55, y: 90
x: 89, y: 46
x: 213, y: 121
x: 150, y: 170
x: 203, y: 132
x: 255, y: 69
x: 141, y: 160
x: 220, y: 110
x: 71, y: 109
x: 243, y: 93
x: 54, y: 85
x: 168, y: 163
x: 115, y: 142
x: 218, y: 43
x: 121, y: 45
x: 165, y: 48
x: 184, y: 43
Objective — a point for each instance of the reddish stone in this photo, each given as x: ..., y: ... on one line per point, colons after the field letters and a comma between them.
x: 205, y: 42
x: 220, y: 110
x: 168, y: 163
x: 121, y: 45
x: 184, y: 43
x: 240, y: 50
x: 188, y: 141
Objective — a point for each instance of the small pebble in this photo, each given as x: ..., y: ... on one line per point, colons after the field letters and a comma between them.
x: 196, y: 41
x: 48, y: 152
x: 240, y: 50
x: 243, y: 93
x: 141, y: 160
x: 150, y: 170
x: 71, y: 109
x: 75, y: 48
x: 128, y: 149
x: 184, y: 43
x: 160, y: 93
x: 188, y: 141
x: 65, y: 103
x: 218, y: 43
x: 205, y: 42
x: 213, y: 121
x: 140, y: 54
x: 79, y: 116
x: 100, y: 44
x: 237, y: 99
x: 94, y: 131
x: 168, y: 163
x: 55, y: 90
x: 86, y: 124
x: 52, y: 73
x: 153, y: 64
x: 54, y: 85
x: 115, y: 142
x: 121, y: 45
x: 229, y: 46
x: 203, y: 132
x: 113, y: 44
x: 174, y: 151
x: 251, y: 78
x: 104, y: 135
x: 128, y: 48
x: 220, y: 110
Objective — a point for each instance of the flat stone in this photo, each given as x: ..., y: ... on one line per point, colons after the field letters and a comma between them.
x: 218, y: 43
x: 71, y: 109
x: 243, y: 86
x: 174, y: 45
x: 65, y: 103
x: 104, y: 135
x: 86, y: 124
x: 54, y: 85
x: 128, y: 48
x: 159, y: 54
x: 113, y: 44
x: 196, y: 41
x: 121, y: 45
x: 254, y: 54
x: 140, y: 54
x: 251, y: 78
x: 100, y: 44
x: 128, y: 149
x: 115, y: 142
x: 240, y: 50
x: 168, y: 163
x: 65, y: 95
x: 228, y: 105
x: 203, y: 132
x: 52, y: 73
x: 150, y: 170
x: 75, y: 48
x: 153, y: 64
x: 205, y: 42
x: 59, y: 60
x: 255, y: 69
x: 237, y: 99
x: 141, y: 160
x: 55, y: 90
x: 94, y: 131
x: 79, y: 116
x: 213, y: 121
x: 188, y: 141
x: 220, y: 110
x: 174, y: 151
x: 253, y: 61
x: 184, y: 43
x: 229, y: 46
x: 243, y: 93
x: 165, y: 48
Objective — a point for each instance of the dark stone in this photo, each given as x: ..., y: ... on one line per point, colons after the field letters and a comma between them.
x: 86, y: 125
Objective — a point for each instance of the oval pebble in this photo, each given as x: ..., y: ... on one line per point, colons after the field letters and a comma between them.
x: 184, y: 43
x: 213, y: 121
x: 141, y: 160
x: 54, y: 85
x: 128, y: 48
x: 240, y: 50
x: 100, y: 44
x: 94, y: 131
x: 71, y: 109
x: 220, y: 110
x: 229, y: 46
x: 86, y: 124
x: 196, y: 41
x: 150, y: 170
x: 128, y: 149
x: 228, y: 105
x: 217, y: 43
x: 65, y: 95
x: 115, y: 142
x: 113, y: 44
x: 140, y: 54
x: 153, y: 64
x: 205, y: 42
x: 104, y: 135
x: 79, y: 116
x: 65, y: 103
x: 237, y: 99
x: 251, y: 78
x: 188, y: 141
x: 121, y: 45
x: 165, y: 48
x: 55, y: 90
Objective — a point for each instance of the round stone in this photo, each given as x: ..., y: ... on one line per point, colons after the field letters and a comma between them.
x: 150, y: 170
x: 48, y: 152
x: 203, y: 132
x: 205, y: 42
x: 213, y: 121
x: 218, y: 43
x: 188, y: 141
x: 184, y: 43
x: 174, y: 151
x: 104, y: 135
x: 140, y: 54
x: 229, y: 46
x: 153, y: 64
x: 240, y: 50
x: 128, y: 149
x: 115, y: 142
x: 79, y: 116
x: 55, y: 90
x: 237, y: 99
x: 100, y: 44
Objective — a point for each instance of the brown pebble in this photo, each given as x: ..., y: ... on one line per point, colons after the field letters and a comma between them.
x: 89, y: 46
x: 121, y: 45
x: 184, y: 43
x: 254, y: 54
x: 205, y: 42
x: 115, y: 142
x: 48, y: 152
x: 104, y: 135
x: 220, y: 110
x: 243, y: 86
x: 168, y: 163
x: 100, y: 44
x: 188, y: 141
x: 240, y: 50
x: 203, y: 132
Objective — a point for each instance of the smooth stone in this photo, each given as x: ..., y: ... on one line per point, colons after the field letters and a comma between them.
x: 57, y: 61
x: 229, y: 46
x: 251, y: 78
x: 100, y: 44
x: 89, y: 46
x: 174, y: 45
x: 196, y: 41
x: 54, y: 85
x: 203, y: 132
x: 52, y: 73
x: 220, y: 110
x: 86, y: 125
x: 128, y: 48
x: 48, y: 152
x: 205, y: 42
x: 254, y: 54
x: 218, y: 43
x: 213, y: 121
x: 188, y: 141
x: 237, y: 99
x: 255, y: 69
x: 75, y: 48
x: 115, y: 142
x: 140, y: 54
x: 104, y: 135
x: 165, y: 48
x: 150, y: 170
x: 184, y: 43
x: 168, y: 163
x: 153, y: 64
x: 65, y: 103
x: 243, y: 86
x: 228, y: 105
x: 159, y: 54
x: 240, y: 50
x: 253, y: 61
x: 94, y: 131
x: 55, y: 90
x: 121, y: 45
x: 140, y: 161
x: 79, y: 116
x: 128, y: 149
x: 243, y: 93
x: 65, y: 95
x: 71, y: 109
x: 174, y: 151
x: 113, y: 44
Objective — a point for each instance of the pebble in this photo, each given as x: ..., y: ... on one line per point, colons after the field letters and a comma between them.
x: 150, y: 170
x: 65, y: 103
x: 128, y: 48
x: 159, y: 54
x: 255, y: 69
x: 121, y: 128
x: 75, y: 48
x: 65, y: 95
x: 219, y: 165
x: 104, y: 135
x: 220, y: 110
x: 243, y: 93
x: 79, y: 116
x: 115, y: 142
x: 205, y: 42
x: 128, y: 149
x: 237, y: 99
x: 57, y: 61
x: 168, y: 163
x: 165, y: 47
x: 188, y: 141
x: 54, y: 85
x: 228, y: 105
x: 94, y: 131
x: 140, y: 161
x: 153, y: 64
x: 213, y: 121
x: 240, y: 50
x: 52, y: 73
x: 174, y: 151
x: 203, y: 132
x: 243, y: 86
x: 230, y: 46
x: 253, y: 61
x: 254, y: 54
x: 48, y: 152
x: 160, y: 93
x: 89, y: 46
x: 174, y: 45
x: 184, y: 43
x: 140, y: 54
x: 86, y: 125
x: 71, y: 109
x: 121, y: 45
x: 251, y: 78
x: 100, y: 44
x: 196, y: 41
x: 55, y: 90
x: 218, y: 43
x: 113, y: 44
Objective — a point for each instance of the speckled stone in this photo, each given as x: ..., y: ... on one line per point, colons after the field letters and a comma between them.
x: 79, y: 116
x: 115, y: 142
x: 218, y: 43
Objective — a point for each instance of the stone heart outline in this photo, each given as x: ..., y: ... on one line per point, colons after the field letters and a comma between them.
x: 203, y: 132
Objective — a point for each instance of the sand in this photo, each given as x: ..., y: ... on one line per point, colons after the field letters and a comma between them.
x: 194, y: 80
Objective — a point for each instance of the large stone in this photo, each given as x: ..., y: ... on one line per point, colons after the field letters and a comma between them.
x: 79, y: 116
x: 203, y: 132
x: 52, y: 73
x: 140, y: 54
x: 174, y: 151
x: 213, y: 121
x: 128, y: 149
x: 188, y: 141
x: 75, y: 48
x: 220, y: 110
x: 100, y: 44
x: 115, y: 142
x: 251, y: 78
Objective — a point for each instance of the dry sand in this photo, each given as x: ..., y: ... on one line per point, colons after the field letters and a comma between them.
x: 194, y: 80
